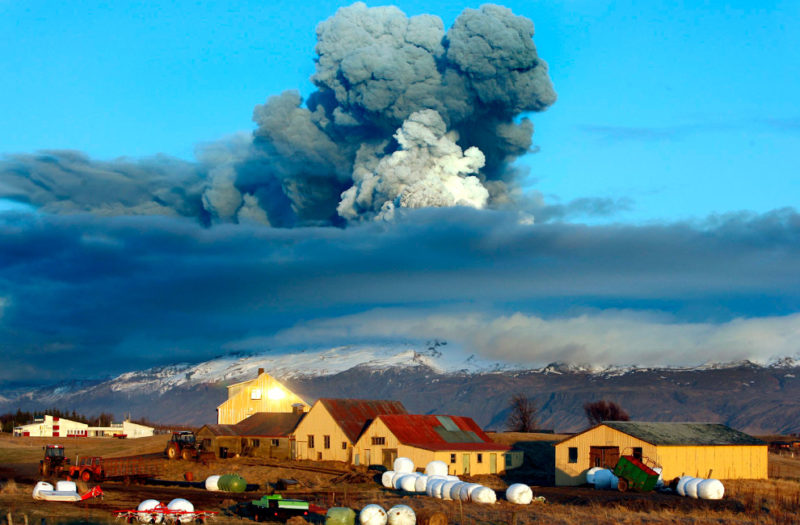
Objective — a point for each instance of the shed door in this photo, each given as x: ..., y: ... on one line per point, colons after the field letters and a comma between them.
x: 492, y: 463
x: 604, y: 457
x: 389, y: 455
x: 367, y: 458
x: 465, y: 464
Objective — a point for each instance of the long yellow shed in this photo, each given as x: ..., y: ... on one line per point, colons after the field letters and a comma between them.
x: 707, y: 450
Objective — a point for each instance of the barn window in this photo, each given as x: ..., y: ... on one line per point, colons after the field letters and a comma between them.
x: 379, y: 440
x: 326, y: 441
x: 276, y: 442
x: 344, y: 445
x: 573, y: 454
x: 637, y: 452
x: 480, y: 457
x: 311, y: 441
x: 255, y: 443
x: 452, y: 458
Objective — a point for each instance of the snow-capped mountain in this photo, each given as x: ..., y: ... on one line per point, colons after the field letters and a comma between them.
x: 437, y: 378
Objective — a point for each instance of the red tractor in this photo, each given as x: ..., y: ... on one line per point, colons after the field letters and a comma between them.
x: 182, y: 444
x: 54, y: 462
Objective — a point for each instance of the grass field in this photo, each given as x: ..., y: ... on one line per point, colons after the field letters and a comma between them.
x: 774, y: 501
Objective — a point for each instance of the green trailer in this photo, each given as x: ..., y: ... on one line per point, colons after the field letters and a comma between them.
x: 636, y: 474
x: 276, y: 508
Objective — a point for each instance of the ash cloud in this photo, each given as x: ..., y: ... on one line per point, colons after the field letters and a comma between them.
x: 381, y: 79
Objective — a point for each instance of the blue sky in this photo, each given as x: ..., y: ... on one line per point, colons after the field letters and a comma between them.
x: 677, y: 106
x: 663, y: 190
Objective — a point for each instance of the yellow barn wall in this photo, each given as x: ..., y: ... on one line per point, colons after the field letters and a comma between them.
x: 319, y: 423
x: 421, y: 457
x: 721, y: 462
x: 241, y: 405
x: 575, y: 473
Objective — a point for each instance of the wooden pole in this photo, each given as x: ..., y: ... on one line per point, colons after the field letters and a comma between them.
x: 10, y: 521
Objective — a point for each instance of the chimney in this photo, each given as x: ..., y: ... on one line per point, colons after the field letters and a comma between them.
x: 260, y: 371
x: 298, y: 408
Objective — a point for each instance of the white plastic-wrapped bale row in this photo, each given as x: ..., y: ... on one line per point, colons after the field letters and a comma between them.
x: 398, y: 515
x: 700, y: 488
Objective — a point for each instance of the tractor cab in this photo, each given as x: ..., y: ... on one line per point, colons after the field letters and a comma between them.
x: 184, y: 437
x: 54, y: 451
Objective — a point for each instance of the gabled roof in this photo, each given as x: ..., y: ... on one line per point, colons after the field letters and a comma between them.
x: 683, y: 433
x: 262, y: 424
x: 354, y: 415
x: 439, y: 432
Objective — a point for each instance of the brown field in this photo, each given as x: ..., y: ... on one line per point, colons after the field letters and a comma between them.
x: 774, y: 501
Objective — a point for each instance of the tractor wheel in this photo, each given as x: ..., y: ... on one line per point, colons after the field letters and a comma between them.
x: 173, y: 452
x: 186, y: 454
x: 622, y: 485
x: 86, y: 476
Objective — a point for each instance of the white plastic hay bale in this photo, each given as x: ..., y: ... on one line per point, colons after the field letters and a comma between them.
x: 590, y: 474
x: 453, y: 478
x: 691, y: 487
x: 613, y: 482
x: 41, y: 486
x: 679, y: 488
x: 408, y: 482
x: 455, y: 490
x: 421, y: 484
x: 710, y: 489
x: 372, y: 515
x: 386, y: 478
x: 430, y: 485
x: 66, y: 486
x: 472, y: 488
x: 184, y: 507
x: 660, y: 480
x: 484, y: 495
x: 404, y: 465
x: 212, y: 483
x: 519, y: 493
x: 602, y: 479
x: 396, y: 479
x: 446, y: 489
x: 148, y: 512
x: 436, y: 468
x: 466, y: 488
x: 402, y: 515
x: 435, y: 487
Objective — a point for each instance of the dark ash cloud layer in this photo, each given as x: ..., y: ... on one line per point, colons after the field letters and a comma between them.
x: 147, y: 290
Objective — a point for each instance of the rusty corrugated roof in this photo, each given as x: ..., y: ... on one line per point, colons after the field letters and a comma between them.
x: 439, y: 432
x: 269, y: 424
x: 262, y: 424
x: 354, y: 415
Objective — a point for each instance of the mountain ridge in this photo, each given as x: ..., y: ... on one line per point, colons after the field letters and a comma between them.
x: 431, y: 379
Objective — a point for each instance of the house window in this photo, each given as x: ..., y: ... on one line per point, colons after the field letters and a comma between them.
x: 452, y: 458
x: 255, y: 393
x: 378, y: 440
x: 480, y: 458
x: 344, y: 445
x: 276, y: 442
x: 326, y: 441
x: 255, y: 443
x: 310, y: 441
x: 637, y: 452
x: 573, y: 454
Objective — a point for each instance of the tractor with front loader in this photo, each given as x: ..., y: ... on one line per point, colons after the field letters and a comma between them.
x: 182, y: 444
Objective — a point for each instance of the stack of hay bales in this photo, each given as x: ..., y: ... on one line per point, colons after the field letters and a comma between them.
x: 700, y: 488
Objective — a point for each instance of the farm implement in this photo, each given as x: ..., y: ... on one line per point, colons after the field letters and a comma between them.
x: 121, y: 469
x: 160, y: 513
x: 636, y: 474
x: 276, y: 508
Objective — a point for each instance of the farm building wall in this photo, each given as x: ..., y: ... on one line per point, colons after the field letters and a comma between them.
x: 379, y: 446
x: 719, y: 461
x: 319, y: 437
x: 262, y: 394
x: 48, y: 426
x: 572, y: 470
x: 256, y: 446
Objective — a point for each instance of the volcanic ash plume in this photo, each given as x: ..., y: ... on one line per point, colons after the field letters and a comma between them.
x: 404, y: 115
